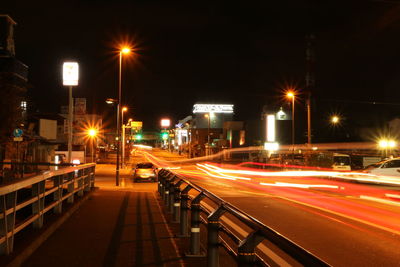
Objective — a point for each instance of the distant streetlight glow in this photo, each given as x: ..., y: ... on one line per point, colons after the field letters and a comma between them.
x: 385, y: 143
x: 335, y: 119
x: 291, y: 95
x: 92, y: 132
x: 125, y: 50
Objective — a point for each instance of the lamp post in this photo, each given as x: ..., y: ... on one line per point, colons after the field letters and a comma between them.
x: 208, y: 128
x: 124, y: 109
x: 292, y: 96
x: 123, y: 51
x: 92, y: 133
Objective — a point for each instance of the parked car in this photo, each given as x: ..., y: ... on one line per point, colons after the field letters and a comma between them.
x: 390, y: 167
x: 145, y: 171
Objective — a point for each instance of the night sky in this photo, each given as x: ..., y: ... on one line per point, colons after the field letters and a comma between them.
x: 213, y: 51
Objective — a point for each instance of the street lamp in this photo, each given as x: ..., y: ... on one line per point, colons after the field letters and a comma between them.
x: 291, y: 95
x: 335, y: 120
x: 92, y: 133
x: 124, y: 109
x: 209, y: 116
x: 123, y: 51
x: 387, y: 144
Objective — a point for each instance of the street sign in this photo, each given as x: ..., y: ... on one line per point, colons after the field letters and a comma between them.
x: 17, y: 132
x: 18, y: 139
x: 137, y: 124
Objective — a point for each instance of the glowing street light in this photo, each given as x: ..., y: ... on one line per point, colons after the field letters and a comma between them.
x: 387, y: 144
x: 291, y: 95
x: 335, y: 120
x: 92, y: 133
x: 123, y: 51
x: 124, y: 109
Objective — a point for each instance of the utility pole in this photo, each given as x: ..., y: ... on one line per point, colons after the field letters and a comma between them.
x: 310, y: 80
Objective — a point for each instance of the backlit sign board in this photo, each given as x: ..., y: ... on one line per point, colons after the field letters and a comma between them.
x: 70, y: 73
x: 165, y: 123
x: 214, y: 108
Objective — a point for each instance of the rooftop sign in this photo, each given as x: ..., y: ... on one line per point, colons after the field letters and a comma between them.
x: 215, y: 108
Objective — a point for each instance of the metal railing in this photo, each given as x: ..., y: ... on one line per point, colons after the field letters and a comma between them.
x: 242, y: 244
x: 25, y: 201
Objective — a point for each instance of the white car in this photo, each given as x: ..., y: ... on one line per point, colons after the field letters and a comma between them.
x: 390, y: 167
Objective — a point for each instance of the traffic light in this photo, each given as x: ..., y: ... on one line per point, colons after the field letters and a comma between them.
x: 138, y: 137
x: 164, y: 136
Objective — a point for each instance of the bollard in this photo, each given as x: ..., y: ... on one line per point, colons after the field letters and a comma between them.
x: 195, y: 225
x: 177, y: 202
x: 168, y: 189
x: 170, y: 205
x: 246, y: 249
x: 184, y: 211
x: 212, y: 237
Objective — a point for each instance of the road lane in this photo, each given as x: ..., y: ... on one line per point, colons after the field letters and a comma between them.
x: 334, y: 221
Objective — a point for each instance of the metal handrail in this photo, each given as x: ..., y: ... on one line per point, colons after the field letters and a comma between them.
x: 53, y: 186
x: 246, y: 248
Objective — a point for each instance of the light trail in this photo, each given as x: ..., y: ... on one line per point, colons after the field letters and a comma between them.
x: 300, y: 185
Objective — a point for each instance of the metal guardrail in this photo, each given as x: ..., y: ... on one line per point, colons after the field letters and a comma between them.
x: 25, y: 201
x: 174, y: 190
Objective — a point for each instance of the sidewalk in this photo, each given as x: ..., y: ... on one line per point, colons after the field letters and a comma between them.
x: 116, y: 226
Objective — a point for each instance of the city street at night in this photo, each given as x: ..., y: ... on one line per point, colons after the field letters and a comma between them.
x: 213, y: 133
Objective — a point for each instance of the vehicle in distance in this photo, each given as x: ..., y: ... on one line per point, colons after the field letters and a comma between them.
x: 390, y: 167
x: 145, y: 171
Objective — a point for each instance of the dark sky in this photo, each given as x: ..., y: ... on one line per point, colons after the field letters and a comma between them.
x: 218, y: 51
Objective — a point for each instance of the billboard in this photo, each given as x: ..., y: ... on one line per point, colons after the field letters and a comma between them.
x: 80, y: 106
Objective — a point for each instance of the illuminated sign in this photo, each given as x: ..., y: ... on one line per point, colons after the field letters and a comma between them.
x: 137, y: 124
x: 70, y: 73
x: 270, y: 128
x: 215, y: 108
x: 271, y: 146
x: 165, y: 123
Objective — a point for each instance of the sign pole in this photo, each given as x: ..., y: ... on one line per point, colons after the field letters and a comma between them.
x: 70, y: 118
x: 70, y: 78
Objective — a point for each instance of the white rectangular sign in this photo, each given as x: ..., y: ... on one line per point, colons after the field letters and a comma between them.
x: 165, y: 123
x: 70, y: 73
x: 215, y: 108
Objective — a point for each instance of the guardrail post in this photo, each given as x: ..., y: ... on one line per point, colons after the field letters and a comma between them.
x: 168, y: 189
x: 7, y: 222
x: 92, y: 176
x: 177, y: 203
x: 38, y: 205
x: 70, y: 187
x: 213, y: 236
x: 57, y: 196
x: 160, y: 176
x: 184, y: 211
x: 81, y: 174
x: 246, y: 249
x: 195, y: 225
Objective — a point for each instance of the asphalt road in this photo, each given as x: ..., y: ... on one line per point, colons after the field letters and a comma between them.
x: 343, y: 223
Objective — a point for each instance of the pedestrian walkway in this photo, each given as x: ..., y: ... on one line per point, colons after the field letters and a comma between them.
x: 116, y: 226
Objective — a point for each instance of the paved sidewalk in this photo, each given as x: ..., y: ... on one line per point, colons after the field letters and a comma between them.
x: 116, y: 226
